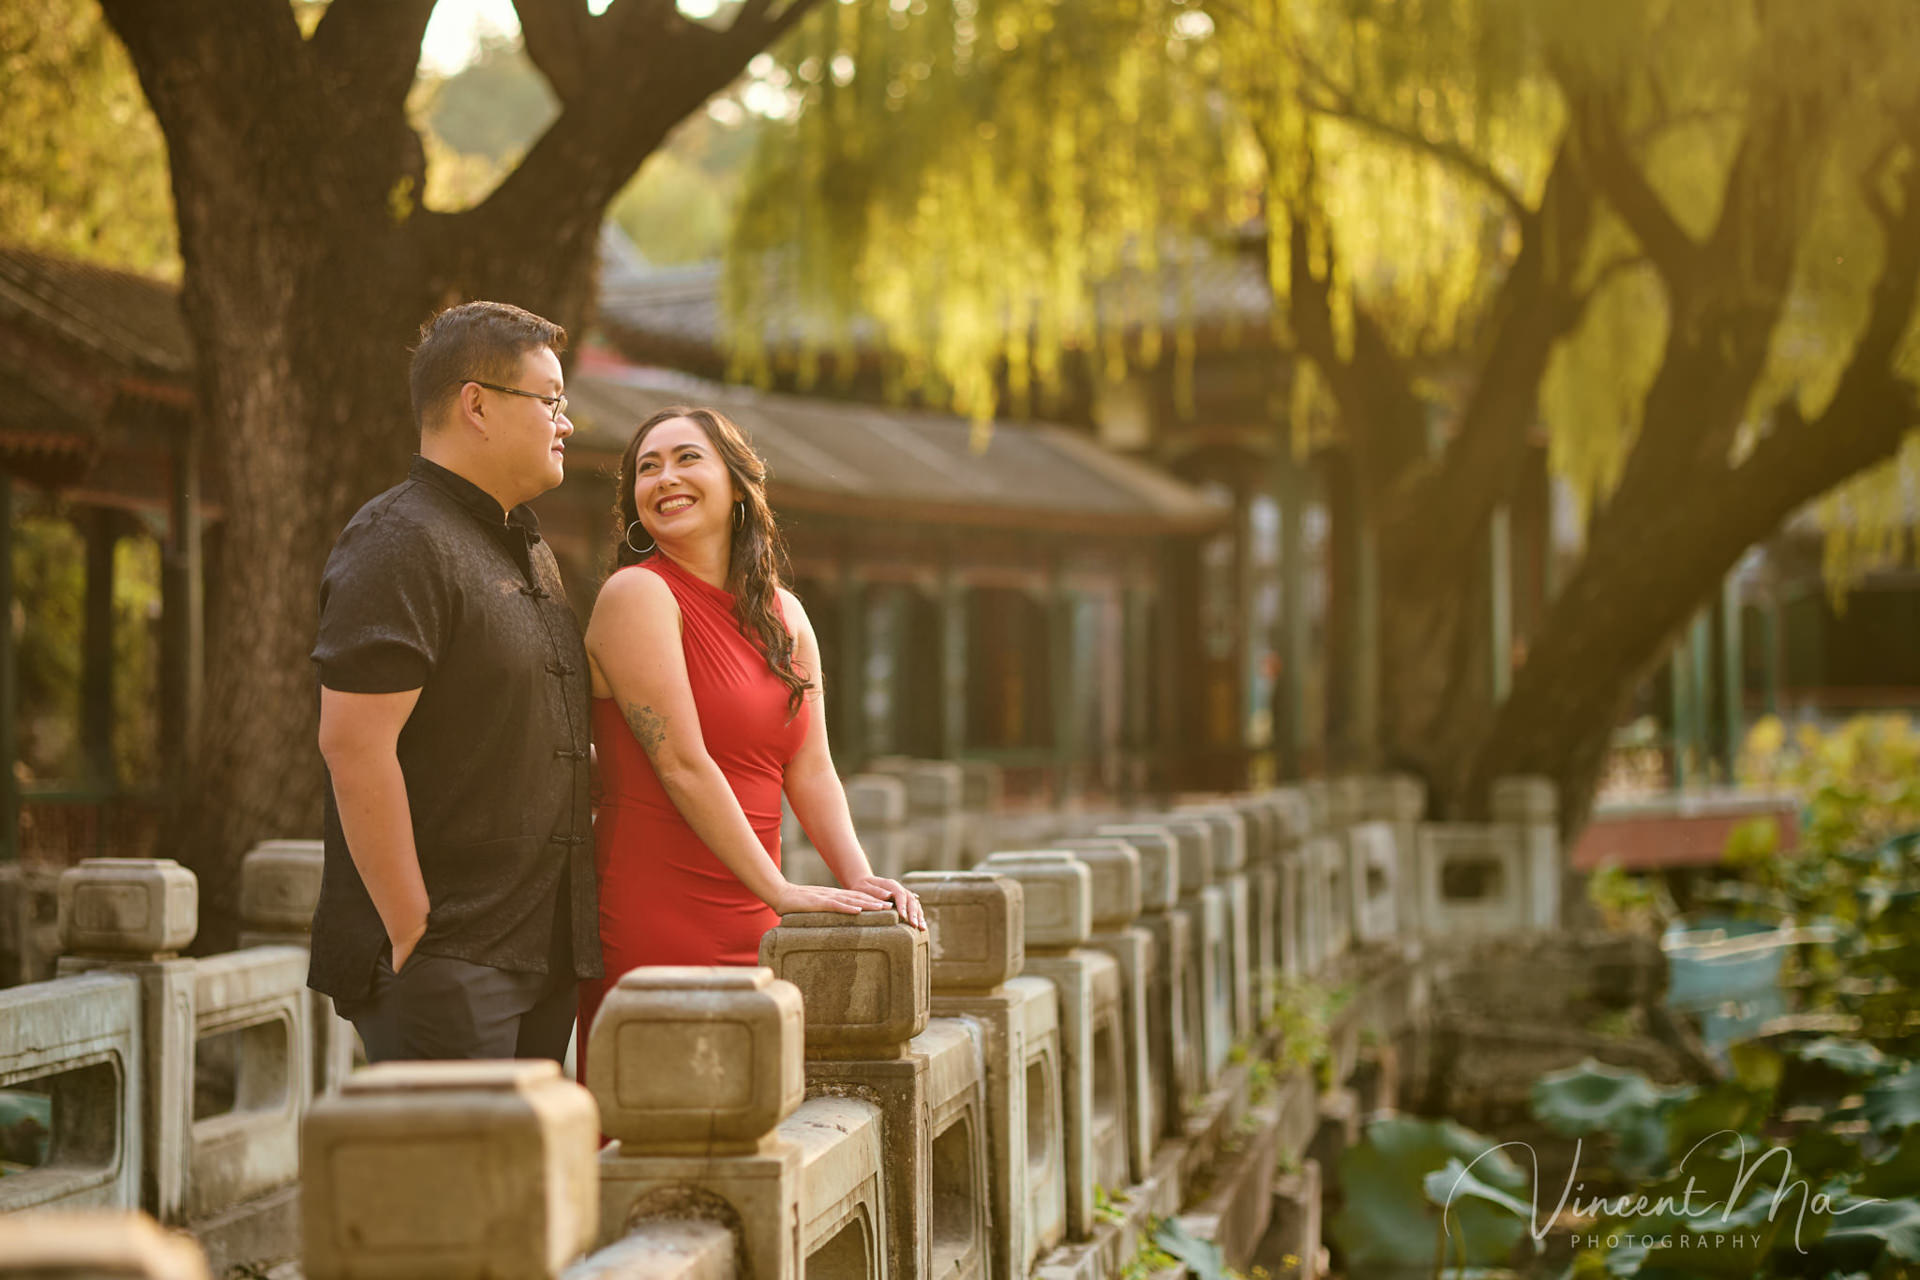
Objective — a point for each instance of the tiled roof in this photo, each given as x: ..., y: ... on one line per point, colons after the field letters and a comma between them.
x: 871, y: 460
x: 133, y: 320
x: 881, y: 462
x: 676, y: 309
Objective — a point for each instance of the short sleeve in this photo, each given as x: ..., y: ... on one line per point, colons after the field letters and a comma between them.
x: 384, y: 609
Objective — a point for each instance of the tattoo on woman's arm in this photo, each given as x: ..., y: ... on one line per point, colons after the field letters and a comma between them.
x: 648, y: 725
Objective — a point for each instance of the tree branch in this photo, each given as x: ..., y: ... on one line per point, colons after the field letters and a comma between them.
x: 1442, y: 508
x: 1655, y: 553
x: 1628, y: 190
x: 647, y: 68
x: 559, y: 36
x: 1373, y: 388
x: 371, y: 48
x: 201, y: 59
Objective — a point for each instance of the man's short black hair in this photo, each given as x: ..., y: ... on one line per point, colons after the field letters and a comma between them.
x: 474, y: 341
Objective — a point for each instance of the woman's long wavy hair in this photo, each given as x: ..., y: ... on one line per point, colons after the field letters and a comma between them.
x: 758, y: 553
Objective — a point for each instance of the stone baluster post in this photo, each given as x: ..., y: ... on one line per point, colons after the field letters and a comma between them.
x: 1263, y: 893
x: 976, y: 923
x: 1292, y: 820
x: 878, y: 804
x: 934, y: 792
x: 1319, y: 816
x: 1173, y: 1052
x: 133, y: 916
x: 1116, y: 866
x: 458, y: 1170
x: 29, y: 924
x: 1230, y: 881
x: 1209, y: 985
x: 1346, y: 800
x: 864, y: 982
x: 1530, y: 807
x: 693, y: 1070
x: 1059, y: 918
x: 94, y: 1245
x: 981, y: 789
x: 1404, y: 804
x: 279, y: 889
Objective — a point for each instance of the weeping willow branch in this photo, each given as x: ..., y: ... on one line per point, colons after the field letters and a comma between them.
x: 1337, y: 104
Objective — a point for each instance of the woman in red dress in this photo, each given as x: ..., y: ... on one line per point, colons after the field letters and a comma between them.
x: 706, y: 706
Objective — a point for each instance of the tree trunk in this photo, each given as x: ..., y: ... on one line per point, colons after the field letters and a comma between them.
x: 1436, y: 680
x: 309, y: 269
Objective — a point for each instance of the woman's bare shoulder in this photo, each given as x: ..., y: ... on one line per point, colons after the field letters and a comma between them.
x: 637, y: 590
x: 792, y: 609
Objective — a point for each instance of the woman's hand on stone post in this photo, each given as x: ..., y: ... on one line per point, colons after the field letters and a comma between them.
x: 896, y: 895
x: 790, y: 898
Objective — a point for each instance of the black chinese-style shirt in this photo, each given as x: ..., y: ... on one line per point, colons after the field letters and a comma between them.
x: 432, y: 587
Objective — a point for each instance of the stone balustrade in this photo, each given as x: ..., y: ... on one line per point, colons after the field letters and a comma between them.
x: 76, y: 1045
x: 214, y: 1075
x: 874, y: 1101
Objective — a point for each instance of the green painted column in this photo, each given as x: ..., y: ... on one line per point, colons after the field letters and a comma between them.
x: 1700, y: 653
x: 1679, y: 677
x: 1366, y: 640
x: 1295, y: 625
x: 9, y: 687
x: 953, y: 665
x: 1733, y: 709
x: 850, y: 666
x: 1771, y: 628
x: 96, y: 667
x: 1066, y: 746
x: 1136, y: 687
x: 183, y: 610
x: 1500, y: 597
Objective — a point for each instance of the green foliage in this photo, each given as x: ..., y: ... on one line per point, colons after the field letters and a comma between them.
x: 1872, y: 1231
x: 1302, y: 1016
x: 1202, y: 1258
x: 83, y: 168
x: 1626, y: 901
x: 1595, y: 1098
x: 1834, y: 1119
x: 1002, y: 183
x: 49, y: 570
x: 1148, y: 1258
x: 495, y: 106
x: 1417, y: 1190
x: 478, y: 123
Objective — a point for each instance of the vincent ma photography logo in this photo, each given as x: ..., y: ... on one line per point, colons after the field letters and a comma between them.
x: 1741, y: 1216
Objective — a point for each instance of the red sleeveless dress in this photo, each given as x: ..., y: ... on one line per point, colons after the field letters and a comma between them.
x: 664, y: 897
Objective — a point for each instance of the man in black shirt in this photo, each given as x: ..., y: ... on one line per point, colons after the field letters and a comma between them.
x: 457, y: 907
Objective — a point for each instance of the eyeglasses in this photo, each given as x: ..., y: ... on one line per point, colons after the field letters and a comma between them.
x: 558, y: 403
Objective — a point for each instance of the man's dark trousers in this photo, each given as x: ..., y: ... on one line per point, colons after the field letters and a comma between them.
x: 442, y: 1007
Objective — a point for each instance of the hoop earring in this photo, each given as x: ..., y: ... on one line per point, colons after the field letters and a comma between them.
x: 639, y: 551
x: 739, y: 514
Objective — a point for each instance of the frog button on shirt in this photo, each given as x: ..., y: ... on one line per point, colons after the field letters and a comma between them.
x: 432, y: 587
